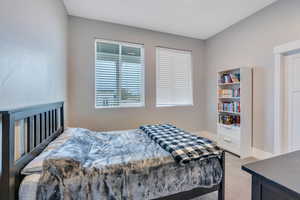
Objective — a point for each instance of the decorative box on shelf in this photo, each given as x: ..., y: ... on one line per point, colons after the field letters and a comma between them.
x: 234, y: 111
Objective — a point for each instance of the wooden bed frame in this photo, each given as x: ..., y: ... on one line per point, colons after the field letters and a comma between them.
x: 43, y: 124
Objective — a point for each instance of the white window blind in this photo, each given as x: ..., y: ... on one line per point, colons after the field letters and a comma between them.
x: 174, y: 77
x: 119, y: 74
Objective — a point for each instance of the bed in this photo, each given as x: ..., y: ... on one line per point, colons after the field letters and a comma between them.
x: 45, y: 124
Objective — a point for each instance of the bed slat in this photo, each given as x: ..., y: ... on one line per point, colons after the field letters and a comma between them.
x: 50, y: 123
x: 43, y: 126
x: 62, y: 119
x: 30, y: 136
x: 55, y: 120
x: 37, y: 130
x: 47, y: 124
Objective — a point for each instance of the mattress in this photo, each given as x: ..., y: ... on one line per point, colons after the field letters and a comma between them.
x: 28, y: 187
x: 150, y: 171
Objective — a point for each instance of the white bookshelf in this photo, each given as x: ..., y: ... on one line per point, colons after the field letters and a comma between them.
x: 234, y: 111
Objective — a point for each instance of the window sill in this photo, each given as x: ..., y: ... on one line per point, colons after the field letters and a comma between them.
x: 169, y: 106
x: 116, y: 107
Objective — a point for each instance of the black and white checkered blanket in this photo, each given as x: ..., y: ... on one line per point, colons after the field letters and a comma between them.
x: 183, y: 146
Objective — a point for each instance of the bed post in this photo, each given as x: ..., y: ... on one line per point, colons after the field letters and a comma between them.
x: 62, y: 120
x: 7, y: 178
x: 221, y: 191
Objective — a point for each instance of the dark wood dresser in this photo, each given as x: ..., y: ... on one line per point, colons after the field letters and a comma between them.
x: 277, y: 178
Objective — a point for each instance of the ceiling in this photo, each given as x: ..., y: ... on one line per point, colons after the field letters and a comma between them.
x: 192, y: 18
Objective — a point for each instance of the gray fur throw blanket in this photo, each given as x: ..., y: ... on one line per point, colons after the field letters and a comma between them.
x: 120, y: 165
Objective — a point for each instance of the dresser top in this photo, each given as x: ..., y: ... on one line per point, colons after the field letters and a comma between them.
x: 283, y: 170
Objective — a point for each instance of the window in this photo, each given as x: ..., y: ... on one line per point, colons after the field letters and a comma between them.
x: 119, y: 74
x: 174, y: 77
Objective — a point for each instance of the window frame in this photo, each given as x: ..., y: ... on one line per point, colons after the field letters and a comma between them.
x: 157, y: 83
x: 121, y: 43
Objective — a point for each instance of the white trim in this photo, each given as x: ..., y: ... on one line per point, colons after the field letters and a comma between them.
x: 174, y: 105
x: 278, y: 105
x: 122, y: 43
x: 142, y: 105
x: 285, y: 48
x: 289, y: 107
x: 279, y: 52
x: 260, y: 154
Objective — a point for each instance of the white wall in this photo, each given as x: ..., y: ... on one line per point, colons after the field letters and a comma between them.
x: 251, y: 42
x: 82, y: 34
x: 33, y: 63
x: 33, y: 57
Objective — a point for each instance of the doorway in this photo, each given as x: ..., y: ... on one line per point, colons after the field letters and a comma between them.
x: 291, y: 140
x: 287, y: 98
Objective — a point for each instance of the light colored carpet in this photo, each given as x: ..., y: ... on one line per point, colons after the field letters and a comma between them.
x: 237, y: 182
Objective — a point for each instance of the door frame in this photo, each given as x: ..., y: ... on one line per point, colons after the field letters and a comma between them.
x: 280, y: 52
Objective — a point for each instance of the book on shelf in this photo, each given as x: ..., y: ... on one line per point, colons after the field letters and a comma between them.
x: 230, y: 120
x: 235, y: 78
x: 230, y: 126
x: 230, y: 77
x: 233, y: 107
x: 228, y: 93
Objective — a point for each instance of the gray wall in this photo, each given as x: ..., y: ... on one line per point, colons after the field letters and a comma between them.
x: 251, y: 42
x: 82, y: 33
x: 33, y: 57
x: 33, y: 37
x: 33, y: 45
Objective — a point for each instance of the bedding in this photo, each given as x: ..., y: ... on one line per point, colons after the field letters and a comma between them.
x: 125, y: 165
x: 36, y: 165
x: 28, y: 187
x: 183, y: 146
x: 120, y: 165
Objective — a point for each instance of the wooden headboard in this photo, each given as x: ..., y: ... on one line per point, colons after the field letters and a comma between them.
x: 43, y: 123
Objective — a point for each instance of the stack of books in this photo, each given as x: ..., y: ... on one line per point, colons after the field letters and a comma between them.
x: 230, y: 78
x: 230, y: 120
x: 228, y: 93
x: 234, y: 107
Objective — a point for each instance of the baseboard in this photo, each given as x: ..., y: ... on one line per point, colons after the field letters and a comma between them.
x: 260, y: 154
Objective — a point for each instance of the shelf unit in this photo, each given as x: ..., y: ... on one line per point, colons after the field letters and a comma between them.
x: 234, y: 110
